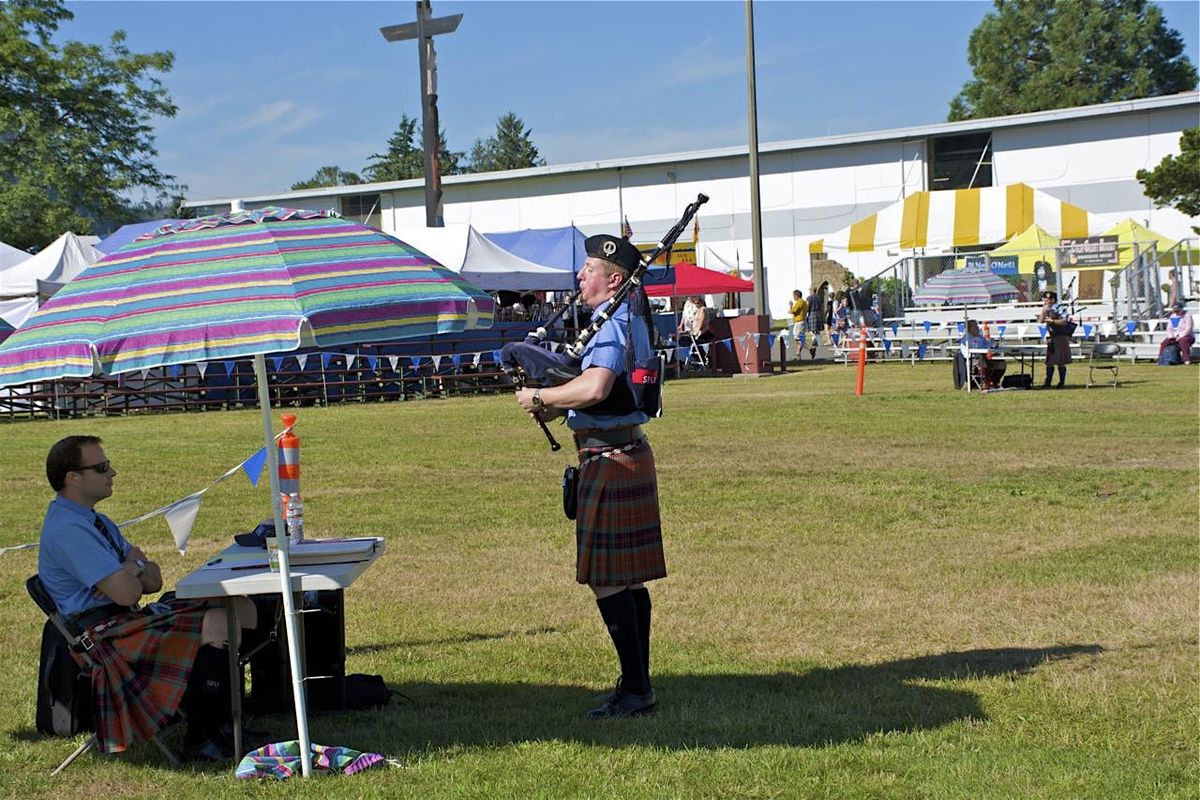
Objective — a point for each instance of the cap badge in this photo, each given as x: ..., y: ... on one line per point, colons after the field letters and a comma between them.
x: 608, y: 248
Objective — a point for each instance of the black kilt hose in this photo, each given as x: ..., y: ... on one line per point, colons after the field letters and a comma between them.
x: 618, y: 534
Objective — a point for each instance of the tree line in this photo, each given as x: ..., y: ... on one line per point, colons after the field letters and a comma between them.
x: 510, y: 147
x: 77, y: 147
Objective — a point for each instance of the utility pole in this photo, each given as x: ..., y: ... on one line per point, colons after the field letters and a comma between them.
x: 423, y: 30
x: 760, y: 283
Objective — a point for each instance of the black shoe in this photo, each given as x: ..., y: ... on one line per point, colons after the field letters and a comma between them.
x: 626, y: 705
x: 608, y: 697
x: 210, y: 750
x: 1061, y: 386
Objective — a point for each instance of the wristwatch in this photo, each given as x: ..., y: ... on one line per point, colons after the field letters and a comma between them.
x: 537, y: 399
x: 141, y: 567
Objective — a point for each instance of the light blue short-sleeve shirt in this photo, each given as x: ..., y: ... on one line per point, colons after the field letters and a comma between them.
x: 607, y: 349
x: 73, y: 556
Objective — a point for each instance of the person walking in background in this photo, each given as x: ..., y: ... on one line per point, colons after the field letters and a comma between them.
x: 799, y: 312
x: 816, y: 316
x: 841, y: 313
x: 1056, y: 317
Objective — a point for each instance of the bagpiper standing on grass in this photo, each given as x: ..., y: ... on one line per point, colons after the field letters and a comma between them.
x: 618, y: 533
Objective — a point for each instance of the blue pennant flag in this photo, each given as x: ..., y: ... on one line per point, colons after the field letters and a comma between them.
x: 325, y: 359
x: 372, y: 361
x: 921, y: 348
x: 1087, y: 329
x: 685, y: 353
x: 771, y: 342
x: 415, y: 361
x: 456, y: 360
x: 175, y: 370
x: 895, y: 329
x: 837, y: 337
x: 229, y: 365
x: 253, y: 466
x: 1041, y: 331
x: 887, y: 345
x: 728, y: 344
x: 927, y: 325
x: 962, y: 327
x: 1130, y: 326
x: 1002, y: 329
x: 277, y: 362
x: 496, y: 356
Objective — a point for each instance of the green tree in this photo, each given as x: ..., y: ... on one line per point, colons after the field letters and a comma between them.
x: 405, y: 156
x: 328, y: 176
x: 75, y: 126
x: 1032, y: 55
x: 511, y: 147
x: 1176, y: 180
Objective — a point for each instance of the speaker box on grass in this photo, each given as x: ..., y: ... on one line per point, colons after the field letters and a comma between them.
x: 324, y: 657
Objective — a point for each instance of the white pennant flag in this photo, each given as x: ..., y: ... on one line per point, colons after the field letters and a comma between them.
x: 393, y: 360
x: 180, y: 517
x: 437, y: 362
x: 202, y: 366
x: 703, y: 348
x: 475, y: 361
x: 756, y: 337
x: 302, y: 359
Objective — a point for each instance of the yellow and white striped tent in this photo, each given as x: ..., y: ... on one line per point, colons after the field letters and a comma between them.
x: 939, y: 221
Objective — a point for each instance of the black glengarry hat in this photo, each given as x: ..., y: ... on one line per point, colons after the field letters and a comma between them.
x: 616, y: 249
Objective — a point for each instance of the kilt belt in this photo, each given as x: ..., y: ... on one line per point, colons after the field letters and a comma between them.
x: 611, y: 437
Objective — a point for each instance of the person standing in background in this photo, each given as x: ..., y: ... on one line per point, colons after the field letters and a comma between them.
x: 799, y: 312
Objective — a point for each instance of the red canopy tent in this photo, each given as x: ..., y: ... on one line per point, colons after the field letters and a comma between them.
x: 690, y: 279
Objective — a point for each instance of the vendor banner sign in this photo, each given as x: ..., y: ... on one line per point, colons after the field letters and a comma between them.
x: 1000, y: 265
x: 1087, y: 252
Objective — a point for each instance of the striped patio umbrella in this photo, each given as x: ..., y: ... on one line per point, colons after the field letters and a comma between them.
x: 964, y: 286
x: 244, y: 284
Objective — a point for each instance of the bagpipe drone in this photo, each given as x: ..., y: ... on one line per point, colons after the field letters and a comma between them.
x: 529, y: 364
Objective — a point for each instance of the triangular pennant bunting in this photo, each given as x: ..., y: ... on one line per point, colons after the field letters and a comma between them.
x: 180, y: 518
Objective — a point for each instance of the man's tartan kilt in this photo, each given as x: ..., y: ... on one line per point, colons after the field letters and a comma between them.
x: 618, y: 534
x: 143, y: 662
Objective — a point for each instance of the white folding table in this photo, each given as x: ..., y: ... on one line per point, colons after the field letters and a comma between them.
x: 243, y: 571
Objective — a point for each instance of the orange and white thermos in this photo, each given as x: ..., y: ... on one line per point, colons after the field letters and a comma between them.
x: 289, y: 480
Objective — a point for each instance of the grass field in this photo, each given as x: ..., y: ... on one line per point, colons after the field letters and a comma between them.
x: 916, y: 593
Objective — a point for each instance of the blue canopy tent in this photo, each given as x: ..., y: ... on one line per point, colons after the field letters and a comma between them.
x: 561, y: 248
x: 127, y: 233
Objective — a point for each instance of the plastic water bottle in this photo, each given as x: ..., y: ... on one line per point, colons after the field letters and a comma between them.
x: 293, y: 517
x: 272, y: 552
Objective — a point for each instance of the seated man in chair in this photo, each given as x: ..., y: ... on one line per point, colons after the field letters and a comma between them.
x: 987, y: 369
x: 150, y: 662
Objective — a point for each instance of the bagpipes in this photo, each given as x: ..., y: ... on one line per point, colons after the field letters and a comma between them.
x: 531, y: 365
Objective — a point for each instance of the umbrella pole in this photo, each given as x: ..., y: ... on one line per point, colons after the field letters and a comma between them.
x: 285, y: 571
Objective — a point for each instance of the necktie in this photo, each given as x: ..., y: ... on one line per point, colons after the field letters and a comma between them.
x: 100, y: 526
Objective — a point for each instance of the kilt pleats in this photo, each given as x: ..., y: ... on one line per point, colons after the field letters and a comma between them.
x: 618, y: 533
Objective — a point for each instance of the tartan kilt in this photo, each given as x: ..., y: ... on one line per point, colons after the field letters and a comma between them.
x: 618, y: 534
x: 1059, y: 351
x: 142, y: 665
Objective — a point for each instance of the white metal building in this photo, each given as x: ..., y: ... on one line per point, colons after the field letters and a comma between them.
x: 810, y: 188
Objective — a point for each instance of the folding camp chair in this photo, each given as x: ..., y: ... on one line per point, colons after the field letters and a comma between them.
x: 80, y: 644
x: 1104, y: 356
x: 695, y: 357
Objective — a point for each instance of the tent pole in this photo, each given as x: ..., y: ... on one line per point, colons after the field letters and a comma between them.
x: 285, y: 571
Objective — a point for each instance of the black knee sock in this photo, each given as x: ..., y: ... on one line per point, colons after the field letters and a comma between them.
x: 1049, y: 375
x: 207, y: 698
x: 1062, y: 374
x: 620, y: 615
x: 641, y: 601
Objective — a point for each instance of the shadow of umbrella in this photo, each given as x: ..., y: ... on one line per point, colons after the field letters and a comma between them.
x: 271, y: 280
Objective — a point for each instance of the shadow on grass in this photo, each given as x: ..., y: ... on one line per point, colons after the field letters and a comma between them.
x: 815, y: 708
x: 806, y: 709
x: 466, y: 638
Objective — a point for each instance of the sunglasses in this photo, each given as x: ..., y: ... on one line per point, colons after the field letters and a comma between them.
x: 102, y: 468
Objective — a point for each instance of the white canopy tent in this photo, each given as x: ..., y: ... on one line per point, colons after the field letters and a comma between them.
x: 58, y: 263
x: 16, y: 311
x: 484, y: 263
x: 11, y: 256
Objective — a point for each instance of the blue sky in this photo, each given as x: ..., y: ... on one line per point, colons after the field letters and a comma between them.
x: 270, y: 91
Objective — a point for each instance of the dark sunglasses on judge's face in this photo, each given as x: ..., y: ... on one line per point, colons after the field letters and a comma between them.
x: 102, y: 468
